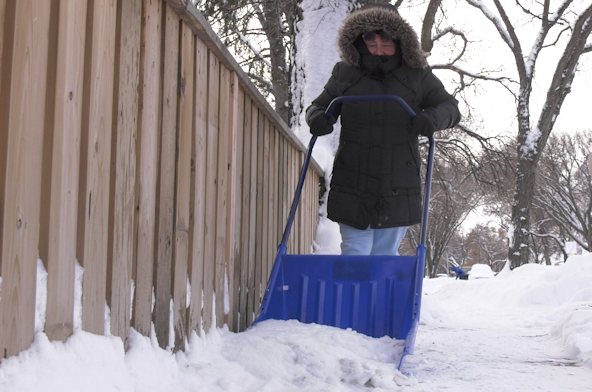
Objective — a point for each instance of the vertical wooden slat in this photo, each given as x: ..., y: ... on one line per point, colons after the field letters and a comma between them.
x: 166, y: 195
x: 211, y: 189
x: 5, y: 66
x: 273, y: 194
x: 21, y: 100
x: 290, y: 175
x: 234, y: 166
x: 238, y: 283
x: 246, y: 216
x: 294, y: 183
x: 283, y: 183
x: 196, y: 270
x: 259, y: 239
x: 222, y: 198
x: 97, y: 122
x: 50, y: 95
x: 303, y: 209
x: 2, y: 19
x: 63, y: 202
x: 266, y: 205
x: 125, y: 125
x: 147, y: 164
x: 183, y: 183
x: 253, y: 216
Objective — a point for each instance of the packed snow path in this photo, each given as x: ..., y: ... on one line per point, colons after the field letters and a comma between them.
x: 472, y: 346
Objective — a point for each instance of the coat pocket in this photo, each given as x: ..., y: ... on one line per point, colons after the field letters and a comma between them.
x: 346, y: 166
x: 404, y: 167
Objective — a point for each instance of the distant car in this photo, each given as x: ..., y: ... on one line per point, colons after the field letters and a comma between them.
x: 480, y: 271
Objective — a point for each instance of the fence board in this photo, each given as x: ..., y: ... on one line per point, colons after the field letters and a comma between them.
x: 183, y: 182
x: 259, y: 239
x: 147, y: 164
x: 7, y: 24
x: 300, y: 215
x: 96, y: 125
x: 26, y: 49
x: 166, y: 196
x: 125, y: 125
x: 50, y: 94
x: 64, y: 164
x: 265, y: 242
x: 253, y: 210
x: 222, y: 198
x: 273, y: 196
x: 211, y: 188
x: 2, y: 19
x: 245, y: 206
x: 196, y: 267
x: 234, y: 188
x: 284, y: 185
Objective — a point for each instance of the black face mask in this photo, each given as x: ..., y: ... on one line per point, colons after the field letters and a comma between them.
x: 379, y: 66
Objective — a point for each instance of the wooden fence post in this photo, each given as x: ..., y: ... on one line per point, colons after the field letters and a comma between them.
x: 96, y: 153
x: 211, y: 188
x: 24, y: 78
x: 252, y: 206
x: 185, y: 136
x: 148, y: 139
x: 196, y: 266
x: 124, y: 169
x: 222, y: 197
x: 233, y: 195
x: 64, y: 163
x: 166, y: 196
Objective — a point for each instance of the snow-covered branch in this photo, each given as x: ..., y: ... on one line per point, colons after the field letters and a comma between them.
x: 495, y: 20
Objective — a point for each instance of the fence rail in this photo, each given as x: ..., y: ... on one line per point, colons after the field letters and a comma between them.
x: 132, y: 142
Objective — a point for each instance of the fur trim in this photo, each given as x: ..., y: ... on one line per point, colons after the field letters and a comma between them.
x: 379, y: 18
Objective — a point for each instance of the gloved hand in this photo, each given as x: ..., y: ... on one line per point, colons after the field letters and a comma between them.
x: 320, y: 126
x: 423, y: 125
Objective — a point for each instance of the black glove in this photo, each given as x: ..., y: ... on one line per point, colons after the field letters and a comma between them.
x: 320, y: 126
x: 423, y: 125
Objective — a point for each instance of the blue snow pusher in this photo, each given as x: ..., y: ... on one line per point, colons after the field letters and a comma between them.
x: 373, y: 295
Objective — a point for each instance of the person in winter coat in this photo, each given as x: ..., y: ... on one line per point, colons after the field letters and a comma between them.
x: 375, y: 187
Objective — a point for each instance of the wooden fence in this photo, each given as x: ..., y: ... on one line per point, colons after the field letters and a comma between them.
x: 131, y: 141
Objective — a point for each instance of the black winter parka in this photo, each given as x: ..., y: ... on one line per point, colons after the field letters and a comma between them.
x: 376, y: 178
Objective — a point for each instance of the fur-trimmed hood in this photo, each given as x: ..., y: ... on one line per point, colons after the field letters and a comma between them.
x: 379, y: 18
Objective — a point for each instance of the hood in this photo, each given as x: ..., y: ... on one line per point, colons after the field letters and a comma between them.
x: 379, y: 18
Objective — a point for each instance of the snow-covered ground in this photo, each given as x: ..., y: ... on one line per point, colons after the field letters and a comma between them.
x: 524, y: 330
x: 529, y: 329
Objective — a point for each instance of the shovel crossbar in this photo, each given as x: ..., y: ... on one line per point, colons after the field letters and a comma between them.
x: 373, y: 295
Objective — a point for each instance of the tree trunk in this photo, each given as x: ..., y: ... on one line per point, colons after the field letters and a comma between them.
x: 277, y: 54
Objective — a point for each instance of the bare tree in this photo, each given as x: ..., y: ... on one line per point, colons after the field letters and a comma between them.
x: 565, y: 22
x: 261, y: 34
x: 487, y: 245
x: 565, y: 186
x: 453, y: 196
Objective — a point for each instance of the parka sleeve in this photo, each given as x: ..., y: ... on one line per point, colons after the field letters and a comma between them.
x: 320, y: 103
x: 437, y: 103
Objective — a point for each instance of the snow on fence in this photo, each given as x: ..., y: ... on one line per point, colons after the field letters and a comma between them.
x: 131, y: 141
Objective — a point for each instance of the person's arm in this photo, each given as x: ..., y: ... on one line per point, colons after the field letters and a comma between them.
x: 315, y: 112
x: 439, y: 108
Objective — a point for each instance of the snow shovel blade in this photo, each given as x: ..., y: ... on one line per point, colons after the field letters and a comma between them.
x: 371, y: 295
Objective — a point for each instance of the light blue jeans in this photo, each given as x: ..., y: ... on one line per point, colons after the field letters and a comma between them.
x: 371, y: 241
